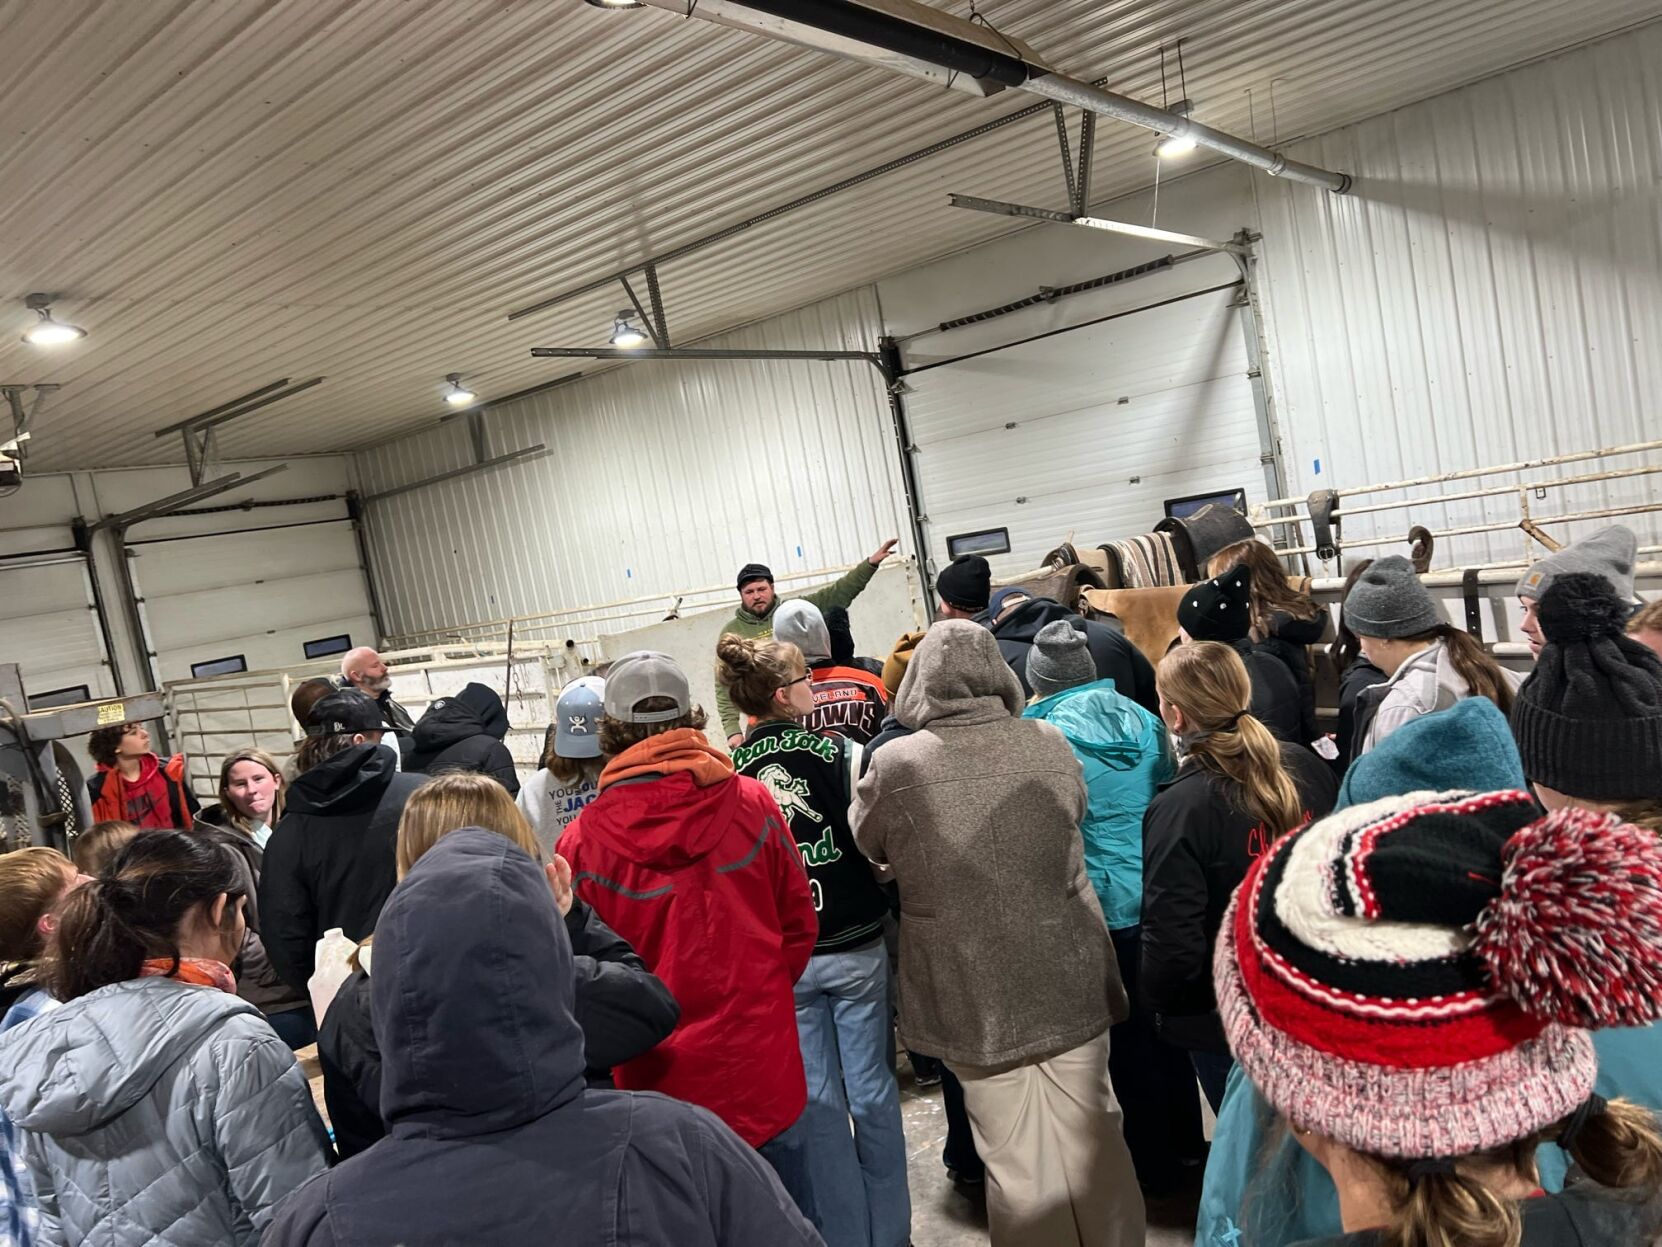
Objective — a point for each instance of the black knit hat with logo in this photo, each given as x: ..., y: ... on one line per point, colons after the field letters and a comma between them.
x: 1219, y: 609
x: 1588, y: 721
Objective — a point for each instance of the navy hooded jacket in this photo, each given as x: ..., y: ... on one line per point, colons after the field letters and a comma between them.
x: 464, y: 733
x: 494, y: 1138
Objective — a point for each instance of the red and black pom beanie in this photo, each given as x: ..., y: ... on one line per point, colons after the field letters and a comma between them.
x: 1416, y: 977
x: 1588, y: 720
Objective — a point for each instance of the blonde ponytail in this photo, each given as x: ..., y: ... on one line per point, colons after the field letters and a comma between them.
x: 1208, y: 682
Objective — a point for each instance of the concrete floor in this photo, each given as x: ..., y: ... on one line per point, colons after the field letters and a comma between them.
x: 944, y: 1216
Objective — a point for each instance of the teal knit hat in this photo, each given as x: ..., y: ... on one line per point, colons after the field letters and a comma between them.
x: 1467, y: 746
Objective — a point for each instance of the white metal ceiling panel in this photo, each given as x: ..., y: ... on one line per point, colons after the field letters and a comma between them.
x: 226, y: 194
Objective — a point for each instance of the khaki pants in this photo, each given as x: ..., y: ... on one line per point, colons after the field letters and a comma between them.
x: 1058, y: 1171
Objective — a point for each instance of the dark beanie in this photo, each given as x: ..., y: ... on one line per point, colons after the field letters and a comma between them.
x: 1219, y: 609
x: 1588, y: 720
x: 965, y: 583
x: 754, y: 571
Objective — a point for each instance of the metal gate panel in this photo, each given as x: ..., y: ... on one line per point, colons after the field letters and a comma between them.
x: 1087, y: 431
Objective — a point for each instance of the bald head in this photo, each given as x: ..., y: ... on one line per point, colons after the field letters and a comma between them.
x: 363, y: 669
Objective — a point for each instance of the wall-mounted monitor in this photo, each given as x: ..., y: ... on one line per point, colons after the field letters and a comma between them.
x: 218, y: 666
x: 323, y: 647
x: 1183, y: 508
x: 987, y: 541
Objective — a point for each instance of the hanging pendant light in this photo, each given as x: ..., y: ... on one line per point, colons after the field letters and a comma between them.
x: 458, y: 395
x: 49, y: 332
x: 625, y: 334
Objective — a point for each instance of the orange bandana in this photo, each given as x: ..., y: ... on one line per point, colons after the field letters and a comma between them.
x: 196, y: 970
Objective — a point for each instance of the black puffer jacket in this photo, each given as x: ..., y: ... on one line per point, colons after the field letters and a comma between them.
x: 257, y: 982
x: 332, y: 859
x: 1275, y: 698
x: 464, y: 733
x: 1359, y: 675
x: 1289, y: 643
x: 623, y: 1008
x: 1116, y: 658
x: 1197, y: 846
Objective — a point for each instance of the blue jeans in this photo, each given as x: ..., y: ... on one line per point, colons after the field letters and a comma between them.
x: 858, y: 1179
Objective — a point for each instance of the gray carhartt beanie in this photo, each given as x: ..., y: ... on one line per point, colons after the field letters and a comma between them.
x: 1059, y: 659
x: 1389, y: 601
x: 1610, y: 553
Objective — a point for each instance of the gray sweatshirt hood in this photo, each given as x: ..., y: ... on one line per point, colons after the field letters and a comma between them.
x: 801, y: 624
x: 78, y: 1067
x: 957, y: 678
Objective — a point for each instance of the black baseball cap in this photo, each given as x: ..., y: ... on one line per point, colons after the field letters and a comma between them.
x: 344, y: 713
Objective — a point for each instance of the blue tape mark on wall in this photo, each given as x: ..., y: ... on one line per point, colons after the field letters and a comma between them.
x: 629, y: 572
x: 799, y: 552
x: 1318, y: 467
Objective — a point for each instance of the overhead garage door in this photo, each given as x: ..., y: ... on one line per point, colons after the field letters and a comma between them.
x: 1086, y: 431
x: 257, y: 595
x: 49, y: 627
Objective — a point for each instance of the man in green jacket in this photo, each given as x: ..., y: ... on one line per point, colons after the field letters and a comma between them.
x: 757, y: 602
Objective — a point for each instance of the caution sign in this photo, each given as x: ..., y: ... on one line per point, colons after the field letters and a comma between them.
x: 112, y: 712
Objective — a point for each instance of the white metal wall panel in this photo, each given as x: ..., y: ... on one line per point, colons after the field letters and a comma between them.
x: 49, y: 629
x: 1490, y: 292
x: 261, y: 594
x: 663, y: 476
x: 1087, y: 431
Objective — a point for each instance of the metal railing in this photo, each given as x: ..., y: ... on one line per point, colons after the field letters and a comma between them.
x: 1279, y: 512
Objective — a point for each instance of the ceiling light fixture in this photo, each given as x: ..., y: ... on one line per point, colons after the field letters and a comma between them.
x: 49, y: 332
x: 616, y: 4
x: 624, y: 334
x: 458, y: 395
x: 1179, y: 144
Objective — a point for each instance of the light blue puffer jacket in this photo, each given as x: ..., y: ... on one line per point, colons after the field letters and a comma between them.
x: 1126, y: 755
x: 156, y: 1112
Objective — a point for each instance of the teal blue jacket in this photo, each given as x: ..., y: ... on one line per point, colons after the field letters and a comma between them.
x: 1126, y: 756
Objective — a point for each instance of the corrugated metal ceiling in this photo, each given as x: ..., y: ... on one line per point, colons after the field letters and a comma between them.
x: 226, y: 194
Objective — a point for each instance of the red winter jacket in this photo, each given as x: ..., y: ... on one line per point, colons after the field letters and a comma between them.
x: 158, y: 798
x: 695, y: 867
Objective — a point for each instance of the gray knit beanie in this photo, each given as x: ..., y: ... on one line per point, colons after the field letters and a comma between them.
x: 1610, y: 553
x: 1389, y: 601
x: 1059, y: 659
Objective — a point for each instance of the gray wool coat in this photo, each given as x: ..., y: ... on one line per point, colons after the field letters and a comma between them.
x: 1004, y: 955
x: 154, y: 1112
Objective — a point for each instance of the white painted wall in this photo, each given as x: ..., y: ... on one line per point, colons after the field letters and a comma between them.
x: 664, y: 476
x: 1490, y: 292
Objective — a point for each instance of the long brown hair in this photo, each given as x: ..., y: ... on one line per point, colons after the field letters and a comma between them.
x: 233, y: 816
x: 567, y: 770
x: 1619, y: 1148
x: 753, y: 671
x: 132, y: 911
x: 1208, y: 682
x: 1271, y: 590
x: 1484, y: 676
x: 450, y: 802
